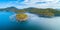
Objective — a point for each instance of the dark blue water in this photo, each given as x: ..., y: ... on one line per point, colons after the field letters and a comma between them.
x: 34, y: 23
x: 4, y: 20
x: 7, y: 24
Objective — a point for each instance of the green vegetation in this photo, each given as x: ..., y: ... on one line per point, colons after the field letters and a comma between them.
x: 21, y: 17
x: 48, y: 12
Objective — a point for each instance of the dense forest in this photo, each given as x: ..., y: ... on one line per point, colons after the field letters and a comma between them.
x: 48, y: 12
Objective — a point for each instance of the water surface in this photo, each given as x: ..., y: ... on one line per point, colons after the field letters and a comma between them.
x: 32, y: 22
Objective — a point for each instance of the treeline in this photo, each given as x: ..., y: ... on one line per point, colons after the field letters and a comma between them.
x: 49, y: 12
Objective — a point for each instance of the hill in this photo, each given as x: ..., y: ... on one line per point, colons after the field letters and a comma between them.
x: 48, y: 12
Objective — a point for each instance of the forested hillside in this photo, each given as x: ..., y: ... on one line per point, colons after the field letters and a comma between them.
x: 48, y: 12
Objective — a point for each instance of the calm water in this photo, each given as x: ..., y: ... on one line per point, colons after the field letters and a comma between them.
x: 33, y: 22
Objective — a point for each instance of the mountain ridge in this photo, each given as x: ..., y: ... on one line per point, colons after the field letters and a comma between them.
x: 48, y: 12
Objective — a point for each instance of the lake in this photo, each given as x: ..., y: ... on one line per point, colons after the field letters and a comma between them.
x: 34, y: 22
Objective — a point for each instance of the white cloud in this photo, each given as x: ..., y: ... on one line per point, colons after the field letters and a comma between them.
x: 33, y: 3
x: 48, y: 4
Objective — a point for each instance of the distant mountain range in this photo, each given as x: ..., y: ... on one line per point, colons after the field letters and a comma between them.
x: 48, y: 12
x: 14, y: 8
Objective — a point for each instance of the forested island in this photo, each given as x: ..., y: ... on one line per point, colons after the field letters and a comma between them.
x: 48, y: 12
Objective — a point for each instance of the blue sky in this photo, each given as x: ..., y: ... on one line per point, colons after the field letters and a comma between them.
x: 30, y: 3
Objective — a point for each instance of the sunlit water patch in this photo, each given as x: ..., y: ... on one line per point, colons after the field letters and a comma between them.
x: 51, y: 23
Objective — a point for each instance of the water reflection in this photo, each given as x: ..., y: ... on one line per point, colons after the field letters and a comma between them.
x: 53, y: 23
x: 36, y: 21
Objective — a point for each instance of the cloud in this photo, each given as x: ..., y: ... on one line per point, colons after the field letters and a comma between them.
x: 42, y: 3
x: 32, y: 3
